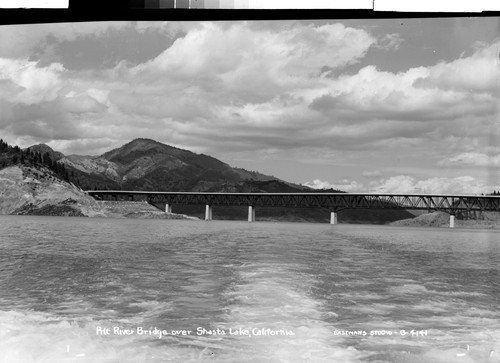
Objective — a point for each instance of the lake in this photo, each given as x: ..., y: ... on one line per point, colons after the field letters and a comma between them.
x: 126, y: 290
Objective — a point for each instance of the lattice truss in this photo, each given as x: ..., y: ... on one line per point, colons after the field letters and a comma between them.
x: 331, y: 201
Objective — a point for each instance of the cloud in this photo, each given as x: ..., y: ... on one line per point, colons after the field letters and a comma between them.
x: 238, y: 49
x: 240, y: 86
x: 403, y: 184
x: 266, y: 99
x: 479, y: 73
x: 43, y: 120
x: 426, y: 104
x: 240, y: 63
x: 398, y: 185
x: 373, y: 95
x: 30, y: 83
x: 224, y: 81
x: 82, y: 104
x: 472, y: 158
x: 350, y: 186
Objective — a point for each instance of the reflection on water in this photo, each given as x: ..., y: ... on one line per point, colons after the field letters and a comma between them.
x: 111, y: 290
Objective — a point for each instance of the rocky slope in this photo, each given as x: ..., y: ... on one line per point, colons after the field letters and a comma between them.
x: 33, y: 190
x: 30, y: 190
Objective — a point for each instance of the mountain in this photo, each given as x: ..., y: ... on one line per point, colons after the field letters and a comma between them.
x: 145, y: 164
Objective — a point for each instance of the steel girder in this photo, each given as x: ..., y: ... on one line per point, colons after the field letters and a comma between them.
x: 331, y: 201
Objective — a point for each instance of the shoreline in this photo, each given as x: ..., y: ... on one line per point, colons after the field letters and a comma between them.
x: 468, y: 225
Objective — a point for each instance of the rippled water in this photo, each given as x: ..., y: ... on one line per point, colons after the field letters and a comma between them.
x: 115, y: 290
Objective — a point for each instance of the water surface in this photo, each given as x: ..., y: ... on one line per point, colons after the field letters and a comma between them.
x: 250, y: 292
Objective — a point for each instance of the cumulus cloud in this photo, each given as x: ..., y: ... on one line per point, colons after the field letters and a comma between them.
x: 373, y: 95
x: 237, y: 49
x: 426, y: 104
x: 33, y: 84
x: 398, y: 184
x: 241, y: 64
x: 479, y: 72
x: 403, y: 184
x: 226, y: 81
x: 45, y: 103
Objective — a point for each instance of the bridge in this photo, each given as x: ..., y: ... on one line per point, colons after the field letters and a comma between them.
x: 334, y: 202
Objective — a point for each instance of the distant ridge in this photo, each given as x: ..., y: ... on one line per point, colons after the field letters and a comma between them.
x: 146, y: 164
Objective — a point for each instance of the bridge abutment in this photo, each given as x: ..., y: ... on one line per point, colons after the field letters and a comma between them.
x: 251, y: 213
x: 452, y: 221
x: 208, y: 212
x: 333, y: 218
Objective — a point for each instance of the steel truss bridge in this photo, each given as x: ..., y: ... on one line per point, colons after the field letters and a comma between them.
x: 452, y: 204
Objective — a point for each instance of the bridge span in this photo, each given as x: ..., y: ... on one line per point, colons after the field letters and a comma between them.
x: 334, y: 202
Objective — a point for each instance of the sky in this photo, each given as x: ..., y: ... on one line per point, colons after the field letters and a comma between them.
x: 374, y: 105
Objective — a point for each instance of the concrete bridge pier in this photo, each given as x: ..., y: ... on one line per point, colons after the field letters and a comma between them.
x: 168, y: 208
x: 452, y: 221
x: 208, y: 212
x: 333, y: 218
x: 251, y: 213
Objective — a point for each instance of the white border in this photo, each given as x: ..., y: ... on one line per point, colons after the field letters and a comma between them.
x: 34, y: 4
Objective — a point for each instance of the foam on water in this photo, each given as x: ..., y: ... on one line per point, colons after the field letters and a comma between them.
x: 275, y: 297
x: 265, y: 297
x: 41, y: 337
x: 33, y: 337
